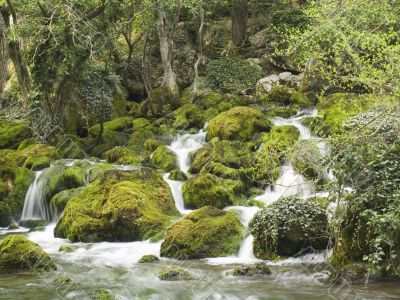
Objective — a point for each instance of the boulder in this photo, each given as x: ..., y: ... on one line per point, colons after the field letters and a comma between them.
x: 13, y: 133
x: 250, y: 271
x: 288, y: 226
x: 206, y: 232
x: 174, y: 274
x: 239, y: 123
x: 164, y: 159
x: 120, y: 206
x: 18, y: 255
x: 207, y: 189
x: 148, y: 259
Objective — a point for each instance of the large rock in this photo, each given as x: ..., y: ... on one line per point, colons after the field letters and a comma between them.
x: 20, y: 255
x: 289, y: 226
x: 239, y: 123
x: 279, y: 140
x: 13, y: 133
x: 207, y: 189
x: 164, y: 159
x: 206, y: 232
x: 215, y: 151
x: 121, y: 206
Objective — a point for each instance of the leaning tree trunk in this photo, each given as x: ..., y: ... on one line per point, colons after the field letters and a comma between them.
x: 3, y: 57
x: 239, y: 22
x: 169, y: 88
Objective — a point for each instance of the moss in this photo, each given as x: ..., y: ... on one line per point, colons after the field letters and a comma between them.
x: 138, y: 139
x: 123, y: 156
x: 60, y: 200
x: 23, y: 180
x: 148, y: 259
x: 5, y: 214
x: 61, y: 178
x: 207, y: 100
x: 62, y: 280
x: 174, y: 274
x: 254, y: 202
x: 177, y: 175
x: 207, y: 189
x: 164, y: 159
x: 257, y: 270
x: 19, y: 255
x: 280, y: 94
x: 336, y: 109
x: 38, y: 163
x: 67, y: 248
x: 288, y: 226
x: 188, y: 116
x: 13, y: 133
x: 27, y: 142
x: 152, y: 144
x: 206, y: 232
x: 216, y: 151
x: 101, y: 294
x: 121, y: 206
x: 280, y: 139
x: 282, y: 111
x: 124, y: 124
x: 239, y: 123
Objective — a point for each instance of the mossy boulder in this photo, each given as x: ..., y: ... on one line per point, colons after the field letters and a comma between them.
x: 177, y: 175
x: 216, y: 151
x: 120, y: 206
x: 239, y: 123
x: 279, y: 140
x: 174, y: 274
x: 13, y: 133
x: 18, y: 255
x: 336, y: 109
x: 188, y: 116
x: 5, y: 214
x: 67, y: 248
x: 207, y: 189
x: 288, y: 226
x: 60, y: 200
x: 123, y: 156
x: 206, y: 232
x: 101, y: 294
x: 124, y: 124
x: 164, y: 159
x: 148, y: 259
x: 221, y: 170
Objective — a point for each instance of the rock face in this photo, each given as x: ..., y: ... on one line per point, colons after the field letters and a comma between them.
x: 289, y: 226
x: 121, y: 206
x: 239, y: 123
x: 207, y: 189
x: 206, y: 232
x: 19, y: 255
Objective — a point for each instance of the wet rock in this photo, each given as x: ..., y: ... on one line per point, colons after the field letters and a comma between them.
x: 149, y: 259
x: 174, y: 274
x: 68, y: 248
x: 257, y: 270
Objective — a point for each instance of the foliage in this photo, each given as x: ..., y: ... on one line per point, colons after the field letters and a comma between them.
x: 230, y: 75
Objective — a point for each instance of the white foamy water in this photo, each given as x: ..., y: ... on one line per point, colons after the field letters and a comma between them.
x: 185, y: 144
x: 97, y: 254
x: 176, y: 190
x: 35, y: 206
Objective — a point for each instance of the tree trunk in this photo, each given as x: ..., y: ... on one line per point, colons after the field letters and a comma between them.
x: 3, y: 57
x: 169, y: 88
x: 239, y: 22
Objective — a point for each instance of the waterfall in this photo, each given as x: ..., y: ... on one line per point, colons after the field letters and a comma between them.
x: 35, y: 206
x: 185, y: 144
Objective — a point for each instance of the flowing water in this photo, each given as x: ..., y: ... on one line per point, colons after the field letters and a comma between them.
x: 114, y: 266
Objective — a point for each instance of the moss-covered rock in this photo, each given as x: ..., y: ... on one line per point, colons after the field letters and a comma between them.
x: 121, y: 206
x: 101, y: 294
x: 123, y: 156
x: 67, y: 248
x: 206, y: 232
x: 336, y: 109
x: 60, y: 200
x: 124, y: 124
x: 239, y: 123
x: 13, y: 133
x: 307, y: 159
x: 188, y: 116
x: 177, y: 175
x: 5, y: 214
x: 207, y: 189
x: 61, y: 280
x: 148, y: 259
x: 221, y: 171
x: 20, y: 255
x: 216, y: 151
x: 164, y: 159
x: 27, y: 142
x: 138, y: 139
x: 174, y: 274
x: 288, y: 226
x: 280, y: 139
x: 250, y: 271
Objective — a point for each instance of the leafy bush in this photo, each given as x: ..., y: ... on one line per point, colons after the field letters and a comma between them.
x: 230, y: 75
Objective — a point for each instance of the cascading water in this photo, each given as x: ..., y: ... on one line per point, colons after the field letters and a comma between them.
x: 35, y: 206
x: 183, y: 146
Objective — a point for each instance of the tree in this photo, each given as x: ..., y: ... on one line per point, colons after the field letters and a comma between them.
x: 166, y: 27
x: 3, y: 57
x: 239, y: 22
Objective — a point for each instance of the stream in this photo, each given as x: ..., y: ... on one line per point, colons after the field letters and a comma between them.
x: 114, y: 266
